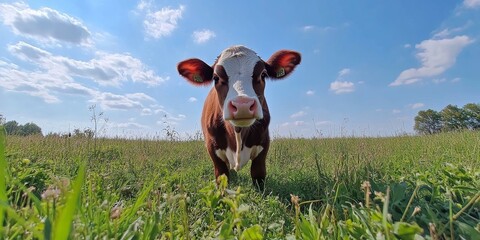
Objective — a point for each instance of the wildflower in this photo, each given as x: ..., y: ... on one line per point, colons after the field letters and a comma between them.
x: 116, y: 210
x: 63, y: 184
x: 366, y: 186
x: 26, y: 161
x: 379, y: 196
x: 416, y: 210
x: 433, y: 231
x: 51, y: 193
x: 295, y: 201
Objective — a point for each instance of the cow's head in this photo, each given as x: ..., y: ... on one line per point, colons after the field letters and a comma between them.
x: 239, y: 76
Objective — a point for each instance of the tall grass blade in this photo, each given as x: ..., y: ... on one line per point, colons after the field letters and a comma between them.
x: 126, y: 218
x: 385, y: 214
x: 3, y: 176
x: 19, y: 220
x: 63, y: 224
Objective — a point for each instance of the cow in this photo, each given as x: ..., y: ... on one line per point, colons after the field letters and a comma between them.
x: 235, y: 114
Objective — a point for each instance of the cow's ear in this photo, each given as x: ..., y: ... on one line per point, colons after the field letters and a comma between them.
x: 282, y: 63
x: 196, y: 71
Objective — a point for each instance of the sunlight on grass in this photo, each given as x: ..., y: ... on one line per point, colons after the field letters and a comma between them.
x: 422, y: 187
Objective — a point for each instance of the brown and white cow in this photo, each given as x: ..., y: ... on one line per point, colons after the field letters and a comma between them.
x: 235, y: 115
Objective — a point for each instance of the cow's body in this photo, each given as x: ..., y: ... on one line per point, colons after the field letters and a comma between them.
x: 235, y: 115
x: 221, y: 140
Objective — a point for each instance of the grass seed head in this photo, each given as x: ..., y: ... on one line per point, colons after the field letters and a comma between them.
x: 295, y: 201
x: 416, y: 210
x: 366, y: 186
x: 29, y: 190
x: 51, y: 193
x: 116, y: 210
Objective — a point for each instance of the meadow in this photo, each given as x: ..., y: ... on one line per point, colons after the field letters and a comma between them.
x: 404, y: 187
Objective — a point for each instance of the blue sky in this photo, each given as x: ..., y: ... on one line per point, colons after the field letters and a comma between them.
x: 367, y: 67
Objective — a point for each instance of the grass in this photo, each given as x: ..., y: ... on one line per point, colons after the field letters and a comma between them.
x: 422, y: 187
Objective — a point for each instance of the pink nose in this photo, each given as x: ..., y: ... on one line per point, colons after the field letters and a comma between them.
x: 242, y: 108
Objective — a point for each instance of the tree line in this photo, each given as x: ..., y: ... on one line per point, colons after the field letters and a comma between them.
x: 13, y: 128
x: 450, y: 118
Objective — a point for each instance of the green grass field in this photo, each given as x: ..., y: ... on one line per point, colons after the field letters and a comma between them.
x: 424, y: 187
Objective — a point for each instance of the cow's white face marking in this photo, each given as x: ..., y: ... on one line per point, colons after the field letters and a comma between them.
x: 239, y: 63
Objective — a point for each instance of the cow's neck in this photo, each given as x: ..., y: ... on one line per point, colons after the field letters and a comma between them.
x: 239, y: 144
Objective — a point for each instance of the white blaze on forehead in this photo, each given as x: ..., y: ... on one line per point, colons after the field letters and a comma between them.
x: 239, y: 63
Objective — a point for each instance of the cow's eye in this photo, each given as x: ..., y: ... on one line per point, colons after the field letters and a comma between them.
x: 216, y: 78
x: 264, y: 75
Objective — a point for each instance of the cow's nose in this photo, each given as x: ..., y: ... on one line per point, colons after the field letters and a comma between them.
x: 242, y: 108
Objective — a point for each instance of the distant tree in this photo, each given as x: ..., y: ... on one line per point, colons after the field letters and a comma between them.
x: 2, y: 119
x: 77, y: 132
x: 453, y: 118
x: 88, y: 133
x: 11, y: 127
x: 30, y: 129
x: 472, y: 113
x: 428, y: 122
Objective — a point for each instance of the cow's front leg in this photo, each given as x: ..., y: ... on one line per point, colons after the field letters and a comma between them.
x: 258, y: 171
x: 219, y: 165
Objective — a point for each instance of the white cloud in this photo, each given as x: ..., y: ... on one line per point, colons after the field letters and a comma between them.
x: 396, y: 111
x: 436, y: 57
x: 442, y: 34
x: 140, y: 96
x: 168, y: 119
x: 323, y: 123
x: 407, y: 45
x: 439, y: 80
x: 339, y: 86
x: 45, y: 85
x: 105, y: 68
x: 131, y: 125
x: 146, y: 112
x: 143, y: 5
x: 342, y: 87
x: 203, y: 36
x: 44, y: 24
x: 308, y: 28
x: 298, y: 114
x: 417, y: 105
x: 192, y: 99
x: 344, y: 72
x: 159, y: 23
x: 299, y: 123
x: 310, y: 92
x: 471, y: 3
x: 55, y: 76
x: 448, y: 32
x: 110, y: 101
x: 455, y: 80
